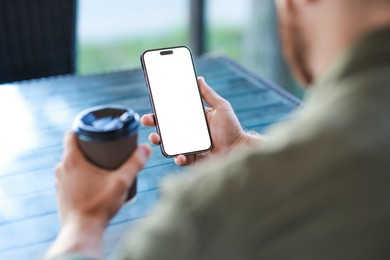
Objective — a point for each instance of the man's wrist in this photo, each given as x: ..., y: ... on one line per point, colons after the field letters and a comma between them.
x: 250, y: 139
x: 80, y: 235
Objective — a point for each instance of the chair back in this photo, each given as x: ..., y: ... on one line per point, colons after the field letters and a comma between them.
x: 37, y: 39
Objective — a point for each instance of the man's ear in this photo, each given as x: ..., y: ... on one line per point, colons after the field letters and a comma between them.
x: 285, y: 5
x: 292, y: 6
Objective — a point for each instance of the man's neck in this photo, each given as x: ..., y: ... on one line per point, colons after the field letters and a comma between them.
x: 337, y: 41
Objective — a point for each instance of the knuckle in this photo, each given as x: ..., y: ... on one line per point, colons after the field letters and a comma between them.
x: 225, y: 103
x: 121, y: 183
x: 138, y: 162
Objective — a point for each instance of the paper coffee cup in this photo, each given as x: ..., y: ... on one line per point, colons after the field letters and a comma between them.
x: 107, y: 136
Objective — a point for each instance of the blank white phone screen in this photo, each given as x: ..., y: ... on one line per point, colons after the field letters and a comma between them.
x: 177, y: 101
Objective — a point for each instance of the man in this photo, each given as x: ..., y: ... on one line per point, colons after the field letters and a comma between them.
x: 318, y: 188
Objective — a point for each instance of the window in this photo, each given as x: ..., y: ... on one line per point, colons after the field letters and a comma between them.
x: 113, y: 34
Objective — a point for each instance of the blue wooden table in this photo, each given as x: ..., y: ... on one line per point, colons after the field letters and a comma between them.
x: 35, y: 114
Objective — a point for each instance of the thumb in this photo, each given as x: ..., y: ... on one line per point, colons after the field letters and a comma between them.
x: 129, y: 170
x: 209, y: 95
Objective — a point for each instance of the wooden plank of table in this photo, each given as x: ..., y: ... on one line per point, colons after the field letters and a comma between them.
x: 28, y: 213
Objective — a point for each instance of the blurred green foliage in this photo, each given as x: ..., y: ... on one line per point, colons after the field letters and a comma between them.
x: 95, y: 57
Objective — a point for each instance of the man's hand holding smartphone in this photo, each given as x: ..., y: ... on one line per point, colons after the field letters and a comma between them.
x: 225, y: 129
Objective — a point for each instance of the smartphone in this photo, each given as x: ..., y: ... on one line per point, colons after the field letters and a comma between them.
x: 176, y: 101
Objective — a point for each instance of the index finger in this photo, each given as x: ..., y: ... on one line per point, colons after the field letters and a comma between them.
x: 208, y: 94
x: 148, y: 120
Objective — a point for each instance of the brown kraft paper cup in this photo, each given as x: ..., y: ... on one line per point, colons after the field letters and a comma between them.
x: 107, y: 136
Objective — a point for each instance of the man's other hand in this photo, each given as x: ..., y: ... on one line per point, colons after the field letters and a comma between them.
x: 88, y: 197
x: 86, y: 191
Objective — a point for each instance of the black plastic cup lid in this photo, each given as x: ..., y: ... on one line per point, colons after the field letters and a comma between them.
x: 104, y: 123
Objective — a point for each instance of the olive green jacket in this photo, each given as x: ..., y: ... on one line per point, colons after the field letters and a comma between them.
x: 318, y: 189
